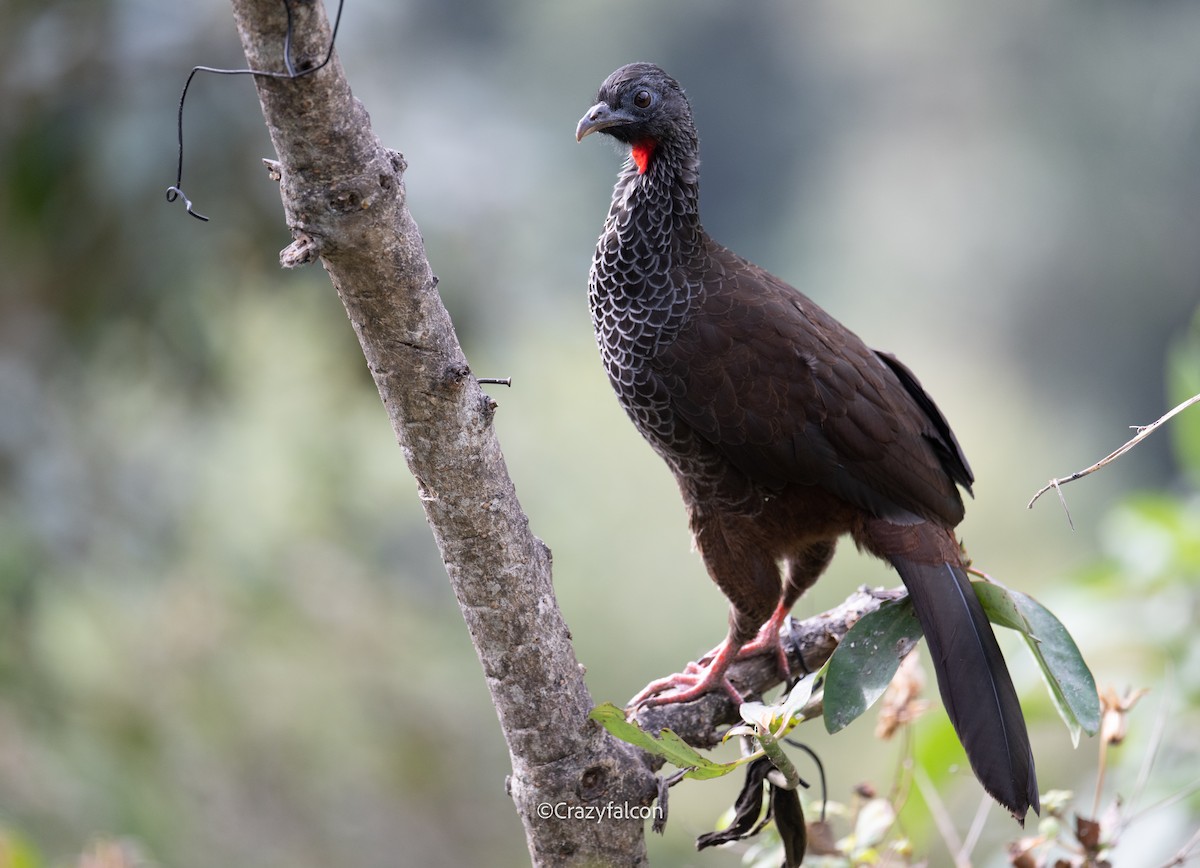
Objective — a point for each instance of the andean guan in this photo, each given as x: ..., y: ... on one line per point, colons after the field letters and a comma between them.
x: 783, y: 430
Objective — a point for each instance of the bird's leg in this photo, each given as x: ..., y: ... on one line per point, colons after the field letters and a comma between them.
x: 804, y: 567
x: 768, y: 639
x: 697, y: 679
x: 708, y: 673
x: 749, y: 576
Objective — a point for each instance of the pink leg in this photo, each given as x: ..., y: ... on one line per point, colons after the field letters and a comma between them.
x: 708, y: 673
x: 768, y: 640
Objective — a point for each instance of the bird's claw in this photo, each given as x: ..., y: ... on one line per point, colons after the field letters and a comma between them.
x: 709, y: 672
x: 769, y: 640
x: 697, y: 678
x: 693, y: 682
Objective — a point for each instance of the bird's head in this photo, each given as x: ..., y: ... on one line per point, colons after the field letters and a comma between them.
x: 643, y: 107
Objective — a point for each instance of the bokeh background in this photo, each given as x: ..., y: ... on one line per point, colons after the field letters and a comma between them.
x: 226, y: 637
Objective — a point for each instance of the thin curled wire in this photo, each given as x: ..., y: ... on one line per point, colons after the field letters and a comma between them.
x: 175, y: 191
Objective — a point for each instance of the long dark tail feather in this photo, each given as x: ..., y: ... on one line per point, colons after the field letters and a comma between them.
x: 974, y: 682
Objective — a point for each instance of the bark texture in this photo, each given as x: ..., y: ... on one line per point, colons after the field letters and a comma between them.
x: 343, y: 195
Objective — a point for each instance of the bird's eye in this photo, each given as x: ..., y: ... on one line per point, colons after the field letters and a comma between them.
x: 641, y: 99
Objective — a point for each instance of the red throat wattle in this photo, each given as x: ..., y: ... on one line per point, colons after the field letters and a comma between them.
x: 642, y: 151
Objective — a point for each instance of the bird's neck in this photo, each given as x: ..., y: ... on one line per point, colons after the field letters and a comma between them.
x: 639, y: 293
x: 658, y: 195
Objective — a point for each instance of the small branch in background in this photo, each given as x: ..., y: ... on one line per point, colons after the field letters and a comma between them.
x: 1115, y: 723
x: 1143, y: 431
x: 976, y: 830
x: 1186, y: 852
x: 941, y: 816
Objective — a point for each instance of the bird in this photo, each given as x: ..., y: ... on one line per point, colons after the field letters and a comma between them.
x: 784, y: 432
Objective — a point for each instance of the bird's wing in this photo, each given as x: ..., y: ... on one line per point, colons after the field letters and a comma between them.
x: 789, y: 395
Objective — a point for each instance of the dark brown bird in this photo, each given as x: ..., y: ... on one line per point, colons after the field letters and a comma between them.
x: 784, y: 431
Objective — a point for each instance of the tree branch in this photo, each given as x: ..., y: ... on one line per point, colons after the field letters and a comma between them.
x: 343, y: 195
x: 808, y: 644
x: 1143, y: 431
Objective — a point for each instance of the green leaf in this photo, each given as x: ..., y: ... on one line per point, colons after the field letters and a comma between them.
x: 865, y: 661
x: 1067, y: 676
x: 1000, y: 607
x: 666, y: 744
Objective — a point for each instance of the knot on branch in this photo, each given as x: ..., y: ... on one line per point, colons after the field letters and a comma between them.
x: 302, y: 251
x: 348, y: 198
x: 594, y: 781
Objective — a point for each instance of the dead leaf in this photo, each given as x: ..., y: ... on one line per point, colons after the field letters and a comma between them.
x: 1114, y: 709
x: 902, y: 703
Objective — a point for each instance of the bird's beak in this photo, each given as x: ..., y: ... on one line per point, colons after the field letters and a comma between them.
x: 599, y: 117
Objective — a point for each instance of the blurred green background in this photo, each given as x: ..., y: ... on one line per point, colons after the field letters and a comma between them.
x: 226, y: 637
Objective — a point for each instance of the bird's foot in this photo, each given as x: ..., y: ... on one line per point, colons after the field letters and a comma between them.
x: 769, y: 640
x: 697, y: 678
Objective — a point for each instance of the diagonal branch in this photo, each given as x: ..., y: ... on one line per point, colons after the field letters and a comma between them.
x: 808, y: 643
x: 344, y: 198
x: 1143, y: 431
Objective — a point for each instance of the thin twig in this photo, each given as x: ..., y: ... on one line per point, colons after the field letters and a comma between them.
x: 1157, y: 737
x: 941, y: 817
x: 1143, y: 431
x: 1186, y: 852
x: 902, y: 782
x: 976, y: 830
x: 1167, y: 801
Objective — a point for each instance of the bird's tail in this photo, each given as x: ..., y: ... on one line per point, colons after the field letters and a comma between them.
x: 976, y: 688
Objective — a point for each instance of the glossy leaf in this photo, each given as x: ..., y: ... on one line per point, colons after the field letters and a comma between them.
x: 666, y: 744
x: 866, y: 660
x: 1070, y: 682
